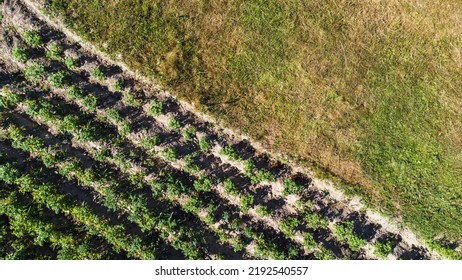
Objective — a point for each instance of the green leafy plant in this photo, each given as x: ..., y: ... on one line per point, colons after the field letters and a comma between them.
x: 98, y: 73
x: 189, y: 133
x: 20, y: 54
x: 204, y: 144
x: 57, y: 79
x: 246, y: 201
x: 34, y: 71
x: 230, y: 153
x: 324, y: 254
x: 9, y: 99
x: 315, y: 220
x: 75, y: 92
x: 55, y: 51
x: 291, y: 187
x: 118, y: 85
x: 230, y: 187
x: 150, y: 142
x: 33, y: 39
x: 383, y: 249
x: 131, y: 99
x: 308, y: 241
x: 203, y: 184
x: 174, y: 123
x: 90, y: 102
x: 114, y: 115
x: 288, y: 226
x: 192, y: 205
x: 169, y: 154
x: 263, y: 211
x: 155, y: 108
x: 344, y: 233
x: 71, y: 63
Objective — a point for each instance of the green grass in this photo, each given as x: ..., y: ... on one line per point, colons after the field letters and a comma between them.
x: 368, y: 91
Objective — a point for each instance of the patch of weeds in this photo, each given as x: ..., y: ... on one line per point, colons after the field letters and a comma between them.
x: 155, y: 108
x: 263, y: 211
x: 344, y: 233
x: 230, y: 153
x: 33, y: 39
x: 230, y: 187
x: 71, y: 63
x: 75, y: 92
x: 57, y: 79
x: 383, y: 249
x: 55, y: 51
x: 20, y: 54
x: 98, y: 73
x: 204, y: 144
x: 203, y: 184
x: 291, y: 187
x: 169, y: 154
x: 189, y: 133
x: 246, y: 202
x: 34, y: 71
x: 289, y: 225
x: 174, y: 123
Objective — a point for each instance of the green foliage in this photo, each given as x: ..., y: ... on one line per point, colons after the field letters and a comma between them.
x: 308, y: 241
x: 246, y: 201
x: 169, y: 154
x: 230, y: 188
x: 150, y: 142
x: 98, y: 73
x: 383, y: 249
x: 131, y: 99
x: 288, y: 226
x: 114, y: 115
x: 189, y: 133
x: 9, y: 173
x: 71, y: 63
x: 75, y: 92
x: 55, y: 51
x: 174, y: 123
x: 344, y: 233
x: 191, y: 166
x: 9, y: 99
x: 33, y: 39
x: 57, y: 79
x: 193, y: 205
x: 263, y: 211
x: 34, y: 71
x: 257, y: 176
x: 230, y: 153
x: 118, y: 85
x: 315, y: 220
x: 324, y: 254
x: 124, y: 127
x: 291, y: 187
x: 155, y: 107
x: 20, y: 54
x: 204, y: 144
x: 90, y: 102
x: 203, y: 184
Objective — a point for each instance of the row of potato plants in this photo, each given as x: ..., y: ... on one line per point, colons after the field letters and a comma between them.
x: 134, y: 204
x: 155, y: 108
x: 35, y: 181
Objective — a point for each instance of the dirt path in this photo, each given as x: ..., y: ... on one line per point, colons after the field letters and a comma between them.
x: 325, y: 197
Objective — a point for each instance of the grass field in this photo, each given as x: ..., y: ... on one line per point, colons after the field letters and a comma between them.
x: 369, y: 91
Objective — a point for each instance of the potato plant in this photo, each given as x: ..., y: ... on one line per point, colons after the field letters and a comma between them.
x: 33, y: 39
x: 20, y: 54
